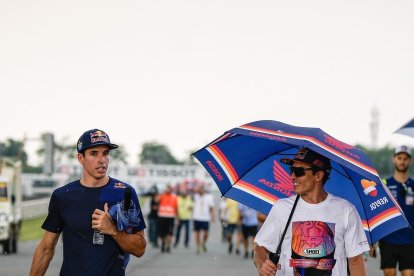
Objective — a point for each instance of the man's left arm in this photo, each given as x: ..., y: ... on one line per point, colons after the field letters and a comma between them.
x: 355, y: 243
x: 131, y: 243
x: 357, y: 265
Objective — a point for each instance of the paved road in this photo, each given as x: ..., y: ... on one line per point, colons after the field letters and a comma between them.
x: 181, y: 262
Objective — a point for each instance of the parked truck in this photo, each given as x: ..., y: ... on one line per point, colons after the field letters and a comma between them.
x: 10, y: 204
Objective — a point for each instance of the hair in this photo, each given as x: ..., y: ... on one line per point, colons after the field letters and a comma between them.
x: 325, y: 174
x: 325, y: 177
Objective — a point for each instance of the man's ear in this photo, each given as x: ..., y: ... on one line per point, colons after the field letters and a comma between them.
x: 319, y: 175
x: 81, y: 158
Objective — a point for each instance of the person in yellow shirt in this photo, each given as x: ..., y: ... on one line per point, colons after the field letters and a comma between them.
x: 232, y: 212
x: 185, y: 210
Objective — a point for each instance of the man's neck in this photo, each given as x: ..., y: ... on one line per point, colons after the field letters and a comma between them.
x: 91, y: 182
x: 401, y: 177
x: 315, y: 197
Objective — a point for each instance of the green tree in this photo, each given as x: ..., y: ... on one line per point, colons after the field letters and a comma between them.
x: 190, y: 159
x: 119, y: 154
x: 382, y: 160
x: 155, y: 153
x: 14, y: 150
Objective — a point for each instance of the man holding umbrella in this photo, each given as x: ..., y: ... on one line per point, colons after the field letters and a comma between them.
x: 324, y: 231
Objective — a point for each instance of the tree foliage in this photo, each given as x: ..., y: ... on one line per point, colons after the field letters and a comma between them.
x: 119, y: 155
x: 13, y: 149
x: 155, y: 153
x: 190, y: 159
x: 382, y: 160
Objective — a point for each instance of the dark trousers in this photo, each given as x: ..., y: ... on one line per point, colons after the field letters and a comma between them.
x: 153, y: 230
x: 186, y: 224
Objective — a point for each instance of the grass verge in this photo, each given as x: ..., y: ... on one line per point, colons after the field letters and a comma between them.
x: 31, y: 229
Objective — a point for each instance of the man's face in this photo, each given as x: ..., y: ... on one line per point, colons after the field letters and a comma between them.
x: 200, y: 190
x: 168, y: 189
x: 95, y: 161
x: 402, y: 162
x: 307, y: 182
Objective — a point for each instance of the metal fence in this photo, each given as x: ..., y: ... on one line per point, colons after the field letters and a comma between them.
x: 34, y: 208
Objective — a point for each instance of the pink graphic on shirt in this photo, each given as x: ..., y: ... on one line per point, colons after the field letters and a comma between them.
x: 313, y: 238
x: 313, y: 248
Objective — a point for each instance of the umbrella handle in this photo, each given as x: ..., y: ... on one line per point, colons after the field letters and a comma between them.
x: 274, y: 257
x: 127, y: 198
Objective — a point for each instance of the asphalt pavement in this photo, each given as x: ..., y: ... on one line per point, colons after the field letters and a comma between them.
x: 180, y: 262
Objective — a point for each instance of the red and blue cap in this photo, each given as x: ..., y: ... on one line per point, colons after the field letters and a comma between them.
x: 92, y: 138
x: 311, y: 158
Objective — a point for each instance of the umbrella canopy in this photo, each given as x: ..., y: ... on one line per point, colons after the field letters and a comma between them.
x: 125, y: 215
x: 245, y: 164
x: 407, y: 129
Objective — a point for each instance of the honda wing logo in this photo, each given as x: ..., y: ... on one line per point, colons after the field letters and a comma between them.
x: 283, y: 183
x: 282, y: 177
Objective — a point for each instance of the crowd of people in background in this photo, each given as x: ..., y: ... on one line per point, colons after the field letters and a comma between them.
x: 186, y: 208
x: 242, y: 223
x: 171, y: 212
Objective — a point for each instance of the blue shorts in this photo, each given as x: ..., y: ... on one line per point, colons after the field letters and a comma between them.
x: 201, y: 225
x: 231, y: 227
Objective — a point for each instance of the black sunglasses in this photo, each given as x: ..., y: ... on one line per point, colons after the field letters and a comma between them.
x: 299, y: 171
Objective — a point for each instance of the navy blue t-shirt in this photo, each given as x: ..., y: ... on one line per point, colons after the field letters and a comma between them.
x: 70, y: 212
x: 404, y: 193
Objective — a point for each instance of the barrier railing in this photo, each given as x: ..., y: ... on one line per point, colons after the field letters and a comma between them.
x: 34, y: 208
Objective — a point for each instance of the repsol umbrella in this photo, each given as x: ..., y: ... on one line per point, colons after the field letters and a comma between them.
x: 245, y: 164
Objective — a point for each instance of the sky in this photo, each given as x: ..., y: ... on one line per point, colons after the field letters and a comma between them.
x: 183, y: 72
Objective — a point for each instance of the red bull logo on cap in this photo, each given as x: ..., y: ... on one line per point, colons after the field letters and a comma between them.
x: 99, y: 136
x: 119, y: 185
x: 301, y: 154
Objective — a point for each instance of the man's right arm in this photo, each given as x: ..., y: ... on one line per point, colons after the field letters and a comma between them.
x: 264, y: 265
x: 44, y: 253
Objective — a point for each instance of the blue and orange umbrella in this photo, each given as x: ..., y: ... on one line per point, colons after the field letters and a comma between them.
x: 245, y: 164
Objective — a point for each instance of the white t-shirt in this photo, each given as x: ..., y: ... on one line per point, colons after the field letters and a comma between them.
x: 201, y: 207
x: 224, y: 216
x: 328, y: 230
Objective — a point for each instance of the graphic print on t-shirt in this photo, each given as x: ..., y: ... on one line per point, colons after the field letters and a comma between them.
x: 313, y: 248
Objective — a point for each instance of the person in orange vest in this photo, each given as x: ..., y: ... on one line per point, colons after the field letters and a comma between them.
x: 167, y: 211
